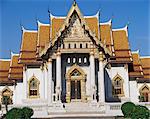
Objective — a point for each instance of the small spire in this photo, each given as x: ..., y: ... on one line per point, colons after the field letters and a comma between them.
x: 22, y: 28
x: 74, y: 3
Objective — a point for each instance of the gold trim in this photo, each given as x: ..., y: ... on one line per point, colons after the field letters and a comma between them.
x: 38, y: 82
x: 113, y: 86
x: 81, y: 78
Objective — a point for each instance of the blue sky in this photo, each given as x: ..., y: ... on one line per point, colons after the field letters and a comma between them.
x: 25, y: 12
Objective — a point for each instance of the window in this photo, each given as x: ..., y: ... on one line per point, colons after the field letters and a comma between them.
x: 80, y: 45
x: 79, y: 60
x: 144, y: 93
x: 75, y: 46
x: 68, y: 60
x: 7, y: 96
x: 74, y: 60
x: 69, y: 46
x: 86, y: 45
x: 33, y: 87
x: 117, y: 86
x: 85, y: 59
x: 63, y: 45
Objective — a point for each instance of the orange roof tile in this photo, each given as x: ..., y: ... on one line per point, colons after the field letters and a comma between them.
x: 43, y: 36
x: 28, y: 47
x: 138, y: 72
x: 146, y: 67
x: 16, y: 70
x: 121, y: 45
x: 4, y: 69
x: 56, y: 24
x: 105, y: 33
x: 93, y: 25
x: 120, y: 39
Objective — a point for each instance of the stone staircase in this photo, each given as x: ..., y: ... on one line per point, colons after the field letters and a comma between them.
x: 82, y: 107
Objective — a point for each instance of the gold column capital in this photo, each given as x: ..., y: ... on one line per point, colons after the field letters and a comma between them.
x: 50, y: 60
x: 92, y: 52
x: 101, y: 58
x: 58, y: 53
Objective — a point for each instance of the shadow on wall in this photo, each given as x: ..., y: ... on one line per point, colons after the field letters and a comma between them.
x: 109, y: 88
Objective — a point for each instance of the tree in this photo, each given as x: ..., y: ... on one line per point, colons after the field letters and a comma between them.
x: 18, y: 113
x: 130, y: 110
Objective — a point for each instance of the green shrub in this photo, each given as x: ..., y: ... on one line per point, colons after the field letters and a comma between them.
x: 13, y: 113
x: 130, y: 110
x: 127, y: 109
x: 27, y: 112
x: 18, y: 113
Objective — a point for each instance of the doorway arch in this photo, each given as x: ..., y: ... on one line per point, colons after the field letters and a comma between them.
x: 75, y: 84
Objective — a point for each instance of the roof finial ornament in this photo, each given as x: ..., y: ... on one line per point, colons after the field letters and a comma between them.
x: 112, y: 17
x: 74, y: 3
x: 22, y: 27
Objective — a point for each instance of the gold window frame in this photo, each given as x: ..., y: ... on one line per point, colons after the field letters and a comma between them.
x: 121, y: 87
x: 38, y: 83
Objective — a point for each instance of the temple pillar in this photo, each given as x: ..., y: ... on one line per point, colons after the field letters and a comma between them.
x: 49, y: 81
x: 25, y: 81
x: 83, y: 90
x: 92, y: 76
x: 68, y: 89
x: 46, y: 80
x: 58, y: 76
x: 101, y: 91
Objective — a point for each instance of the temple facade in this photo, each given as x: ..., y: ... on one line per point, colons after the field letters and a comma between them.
x: 75, y: 66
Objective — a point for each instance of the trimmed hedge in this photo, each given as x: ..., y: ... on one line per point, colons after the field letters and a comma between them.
x: 18, y: 113
x: 130, y: 110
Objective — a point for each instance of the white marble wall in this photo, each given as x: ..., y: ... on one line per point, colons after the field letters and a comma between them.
x: 123, y: 72
x: 134, y: 91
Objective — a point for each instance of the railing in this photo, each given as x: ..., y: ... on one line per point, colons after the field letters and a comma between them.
x: 115, y: 107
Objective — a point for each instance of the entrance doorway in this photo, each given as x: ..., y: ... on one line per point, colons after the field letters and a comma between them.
x: 75, y: 89
x: 75, y: 84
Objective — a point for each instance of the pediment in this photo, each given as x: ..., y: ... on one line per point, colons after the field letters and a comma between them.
x: 74, y: 27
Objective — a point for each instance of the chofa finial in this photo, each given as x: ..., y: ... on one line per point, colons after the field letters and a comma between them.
x: 74, y: 3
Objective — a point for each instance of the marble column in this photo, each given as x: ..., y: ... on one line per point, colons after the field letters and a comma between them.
x: 58, y: 76
x: 46, y: 80
x: 101, y: 91
x: 25, y: 82
x: 92, y: 76
x: 49, y: 81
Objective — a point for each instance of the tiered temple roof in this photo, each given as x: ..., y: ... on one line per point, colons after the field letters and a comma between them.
x: 34, y: 42
x: 16, y: 69
x: 145, y: 61
x: 4, y: 69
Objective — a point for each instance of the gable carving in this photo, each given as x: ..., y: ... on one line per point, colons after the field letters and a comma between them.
x: 75, y: 28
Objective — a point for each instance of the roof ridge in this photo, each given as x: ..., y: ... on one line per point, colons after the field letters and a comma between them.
x: 135, y: 52
x: 14, y: 54
x: 125, y: 28
x: 42, y: 24
x: 143, y: 57
x: 107, y: 22
x: 5, y: 59
x: 27, y: 30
